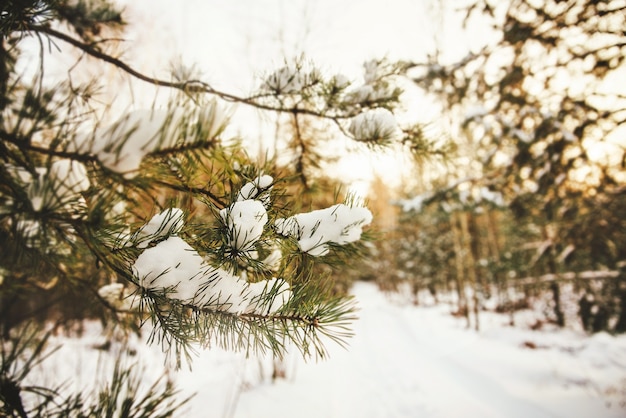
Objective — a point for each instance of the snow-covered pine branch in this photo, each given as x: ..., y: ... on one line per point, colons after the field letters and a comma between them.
x: 315, y: 231
x: 377, y: 126
x: 122, y: 146
x: 174, y: 277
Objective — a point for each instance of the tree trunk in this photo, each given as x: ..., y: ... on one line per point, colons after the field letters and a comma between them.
x: 620, y: 326
x: 470, y: 263
x: 554, y: 286
x: 495, y: 245
x: 556, y: 295
x: 460, y: 270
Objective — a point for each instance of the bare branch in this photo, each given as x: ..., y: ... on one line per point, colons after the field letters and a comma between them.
x: 571, y: 275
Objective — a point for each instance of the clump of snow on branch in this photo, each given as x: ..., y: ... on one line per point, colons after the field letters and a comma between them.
x: 177, y: 270
x: 246, y: 218
x: 476, y: 113
x: 245, y: 221
x: 493, y: 197
x: 34, y: 234
x: 258, y: 189
x: 29, y: 229
x: 169, y: 222
x: 472, y: 197
x: 292, y: 79
x: 122, y: 146
x: 117, y: 296
x: 339, y: 224
x: 371, y: 71
x: 171, y: 265
x: 268, y: 296
x: 273, y: 259
x: 174, y: 268
x: 376, y: 87
x: 223, y: 291
x: 213, y: 119
x: 285, y: 81
x: 374, y: 125
x: 340, y: 81
x: 415, y: 204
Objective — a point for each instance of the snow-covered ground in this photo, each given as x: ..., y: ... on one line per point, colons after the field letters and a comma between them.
x: 404, y: 361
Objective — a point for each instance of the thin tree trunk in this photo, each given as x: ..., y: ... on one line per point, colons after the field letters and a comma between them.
x: 620, y: 326
x: 554, y: 286
x: 495, y: 244
x: 470, y: 264
x: 558, y: 312
x: 460, y: 270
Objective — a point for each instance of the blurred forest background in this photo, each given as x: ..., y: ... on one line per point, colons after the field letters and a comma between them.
x: 530, y: 207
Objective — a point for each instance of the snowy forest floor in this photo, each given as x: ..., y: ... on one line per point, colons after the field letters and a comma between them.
x: 404, y: 361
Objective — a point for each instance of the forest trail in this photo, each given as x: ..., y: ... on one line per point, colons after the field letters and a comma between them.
x: 407, y: 361
x: 426, y: 368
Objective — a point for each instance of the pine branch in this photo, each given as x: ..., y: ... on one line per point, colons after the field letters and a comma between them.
x: 188, y: 87
x: 199, y: 191
x: 25, y: 144
x: 308, y: 325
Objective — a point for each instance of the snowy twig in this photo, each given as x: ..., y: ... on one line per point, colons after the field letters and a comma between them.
x: 190, y: 86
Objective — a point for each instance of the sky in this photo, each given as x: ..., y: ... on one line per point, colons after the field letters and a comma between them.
x: 233, y: 40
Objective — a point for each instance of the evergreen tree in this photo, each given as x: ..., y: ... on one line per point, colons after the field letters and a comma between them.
x: 156, y: 217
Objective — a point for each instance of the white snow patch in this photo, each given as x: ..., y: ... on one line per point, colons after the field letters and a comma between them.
x: 122, y: 146
x: 29, y: 230
x: 373, y: 125
x: 340, y: 81
x: 224, y: 291
x: 339, y: 224
x: 487, y: 195
x: 474, y: 112
x: 169, y: 222
x: 117, y: 296
x: 285, y: 81
x: 416, y: 203
x: 268, y: 296
x: 171, y: 265
x: 245, y: 220
x: 258, y: 189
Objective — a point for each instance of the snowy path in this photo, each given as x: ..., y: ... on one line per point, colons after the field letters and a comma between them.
x: 432, y: 375
x: 404, y: 362
x: 418, y: 362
